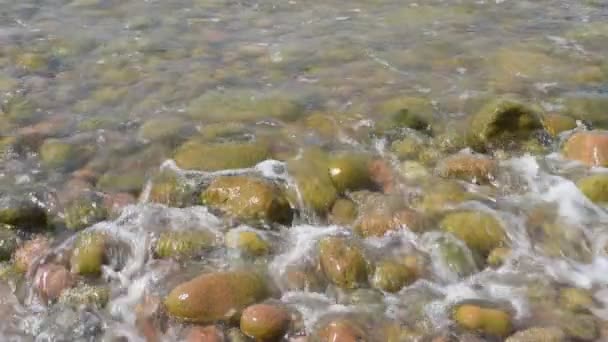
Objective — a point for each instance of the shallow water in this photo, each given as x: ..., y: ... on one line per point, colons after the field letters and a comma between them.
x: 125, y: 83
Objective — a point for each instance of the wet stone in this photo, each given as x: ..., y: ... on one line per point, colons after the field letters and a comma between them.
x: 248, y: 242
x: 502, y: 121
x: 170, y: 189
x: 342, y: 262
x: 218, y: 107
x: 70, y: 324
x: 391, y: 276
x: 51, y: 280
x: 343, y: 212
x: 130, y: 181
x: 342, y: 330
x: 215, y: 296
x: 150, y: 318
x: 487, y: 320
x: 349, y: 172
x: 194, y: 155
x: 382, y: 217
x: 498, y: 256
x: 545, y: 334
x: 313, y: 181
x: 57, y: 154
x: 248, y: 198
x: 469, y: 167
x: 265, y: 322
x: 576, y: 300
x: 595, y: 187
x: 183, y: 244
x: 8, y: 243
x: 84, y: 295
x: 30, y: 252
x: 304, y: 278
x: 582, y: 327
x: 479, y: 230
x: 159, y: 129
x: 454, y: 259
x: 22, y: 213
x: 555, y: 124
x: 88, y: 253
x: 85, y: 211
x: 589, y: 148
x: 210, y: 333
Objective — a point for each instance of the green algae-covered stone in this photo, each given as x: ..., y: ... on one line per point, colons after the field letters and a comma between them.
x: 343, y: 212
x: 576, y: 300
x: 456, y: 258
x: 183, y: 243
x: 408, y: 147
x: 498, y: 256
x: 11, y: 275
x: 223, y: 130
x: 342, y: 262
x: 441, y: 195
x: 391, y: 276
x: 131, y: 181
x: 247, y: 241
x: 88, y: 253
x: 479, y: 318
x: 578, y: 326
x: 170, y: 189
x: 315, y: 186
x: 349, y: 171
x: 265, y: 322
x: 85, y: 295
x: 468, y: 167
x: 406, y: 111
x: 194, y: 155
x: 21, y: 213
x: 84, y: 212
x: 555, y: 124
x: 19, y: 110
x: 595, y: 187
x: 304, y: 278
x: 32, y: 61
x: 241, y: 106
x: 379, y: 222
x: 481, y: 231
x: 537, y: 334
x: 159, y: 129
x: 501, y: 121
x: 55, y: 153
x: 215, y: 296
x: 323, y: 124
x: 8, y: 243
x: 248, y: 198
x: 406, y: 118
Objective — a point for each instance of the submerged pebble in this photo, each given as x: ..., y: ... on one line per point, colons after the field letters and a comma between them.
x: 303, y: 171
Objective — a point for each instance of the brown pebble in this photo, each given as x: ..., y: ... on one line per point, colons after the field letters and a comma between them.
x: 382, y: 174
x: 150, y: 319
x: 30, y: 251
x: 114, y: 203
x: 265, y: 322
x: 590, y: 148
x: 209, y: 333
x: 51, y: 280
x: 341, y: 331
x: 86, y: 174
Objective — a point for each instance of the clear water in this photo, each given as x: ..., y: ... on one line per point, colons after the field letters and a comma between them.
x: 94, y: 71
